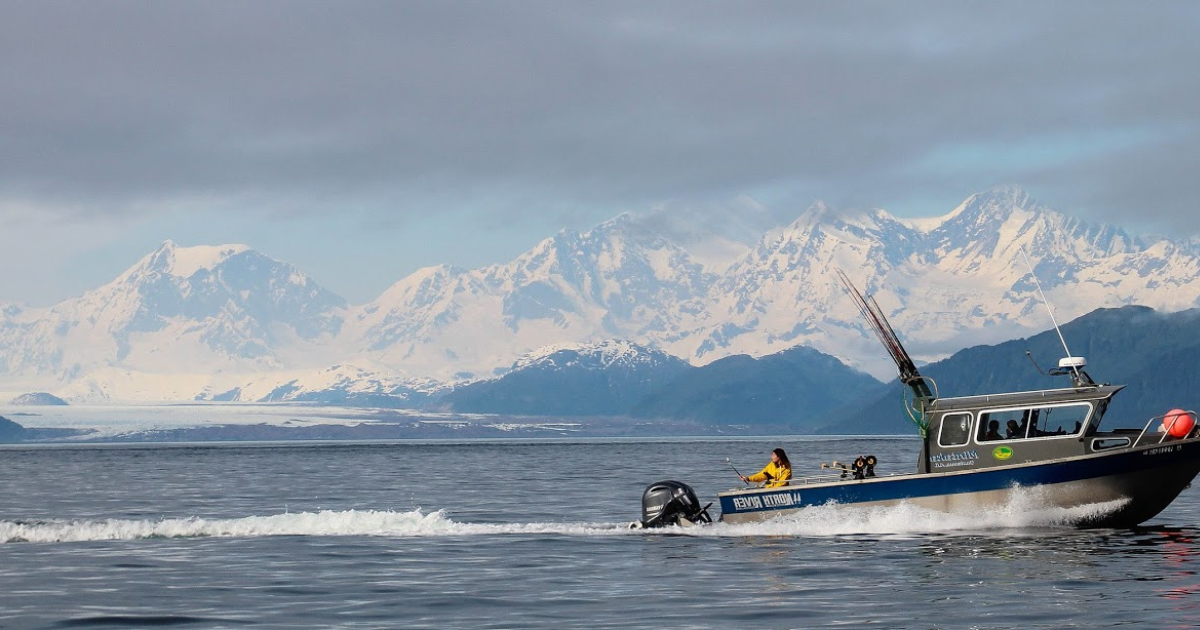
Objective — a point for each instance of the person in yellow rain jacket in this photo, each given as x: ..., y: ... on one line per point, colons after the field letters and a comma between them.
x: 776, y: 474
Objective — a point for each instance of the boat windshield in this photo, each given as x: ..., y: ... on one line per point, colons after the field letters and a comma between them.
x: 1098, y: 416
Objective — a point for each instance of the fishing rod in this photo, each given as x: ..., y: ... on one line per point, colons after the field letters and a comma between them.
x: 743, y: 478
x: 735, y: 470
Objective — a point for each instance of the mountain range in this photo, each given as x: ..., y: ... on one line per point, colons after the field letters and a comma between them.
x: 229, y: 323
x: 792, y: 390
x: 802, y: 390
x: 607, y: 379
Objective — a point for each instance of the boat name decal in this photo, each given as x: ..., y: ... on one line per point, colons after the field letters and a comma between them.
x: 1164, y: 449
x: 969, y: 462
x: 954, y: 459
x: 955, y: 456
x: 775, y: 500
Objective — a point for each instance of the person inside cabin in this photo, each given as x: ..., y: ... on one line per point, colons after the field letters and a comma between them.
x: 777, y: 473
x: 1013, y: 430
x: 993, y: 432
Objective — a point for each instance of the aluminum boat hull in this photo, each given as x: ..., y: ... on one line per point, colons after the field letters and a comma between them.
x: 1143, y: 480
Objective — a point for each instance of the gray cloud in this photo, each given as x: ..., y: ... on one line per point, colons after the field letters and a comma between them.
x: 515, y: 107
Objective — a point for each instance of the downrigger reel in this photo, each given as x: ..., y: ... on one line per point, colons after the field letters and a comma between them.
x: 863, y: 467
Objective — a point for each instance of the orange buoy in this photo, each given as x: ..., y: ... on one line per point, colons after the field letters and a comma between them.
x: 1178, y: 423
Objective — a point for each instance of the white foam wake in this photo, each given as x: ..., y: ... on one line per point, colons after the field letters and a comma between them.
x: 1023, y: 511
x: 323, y: 523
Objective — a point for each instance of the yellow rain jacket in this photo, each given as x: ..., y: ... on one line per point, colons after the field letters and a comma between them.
x: 774, y: 475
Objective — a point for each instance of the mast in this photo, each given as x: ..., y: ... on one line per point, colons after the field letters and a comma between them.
x: 887, y: 336
x: 923, y: 397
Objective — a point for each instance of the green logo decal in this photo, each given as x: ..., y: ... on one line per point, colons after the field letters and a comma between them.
x: 1002, y: 452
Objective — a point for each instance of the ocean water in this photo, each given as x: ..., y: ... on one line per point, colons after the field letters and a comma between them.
x: 533, y: 535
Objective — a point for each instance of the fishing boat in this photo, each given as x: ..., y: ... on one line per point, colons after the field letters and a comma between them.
x: 981, y: 450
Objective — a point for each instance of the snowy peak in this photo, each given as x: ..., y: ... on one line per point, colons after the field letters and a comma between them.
x: 990, y: 228
x: 808, y: 249
x: 820, y: 224
x: 602, y: 355
x: 997, y: 202
x: 183, y: 262
x: 994, y: 206
x: 411, y: 311
x: 985, y: 209
x: 582, y: 258
x: 179, y: 308
x: 616, y: 276
x: 228, y: 283
x: 615, y: 280
x: 421, y: 288
x: 985, y: 224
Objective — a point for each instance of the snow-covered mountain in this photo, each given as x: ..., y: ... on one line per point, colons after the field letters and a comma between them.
x: 946, y: 282
x: 180, y: 315
x: 614, y: 281
x: 187, y: 322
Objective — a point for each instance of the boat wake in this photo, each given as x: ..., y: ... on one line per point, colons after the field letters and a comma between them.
x: 324, y: 523
x: 829, y: 520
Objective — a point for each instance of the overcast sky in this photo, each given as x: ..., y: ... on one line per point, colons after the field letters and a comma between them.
x: 362, y: 140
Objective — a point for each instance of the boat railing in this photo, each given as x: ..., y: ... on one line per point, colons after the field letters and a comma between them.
x: 813, y: 479
x: 1161, y: 434
x: 985, y: 398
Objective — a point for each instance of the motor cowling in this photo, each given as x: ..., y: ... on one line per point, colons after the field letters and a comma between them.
x: 671, y: 503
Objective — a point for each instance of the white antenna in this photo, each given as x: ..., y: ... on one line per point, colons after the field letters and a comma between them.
x: 1044, y: 300
x: 1069, y: 362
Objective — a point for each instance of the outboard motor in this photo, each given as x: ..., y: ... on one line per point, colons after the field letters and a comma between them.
x: 671, y: 503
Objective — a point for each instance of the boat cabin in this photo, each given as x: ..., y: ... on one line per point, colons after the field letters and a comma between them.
x: 974, y: 432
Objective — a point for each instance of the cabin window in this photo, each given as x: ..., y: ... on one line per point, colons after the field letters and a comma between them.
x: 956, y: 429
x: 1064, y: 420
x: 1032, y: 422
x: 1009, y: 424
